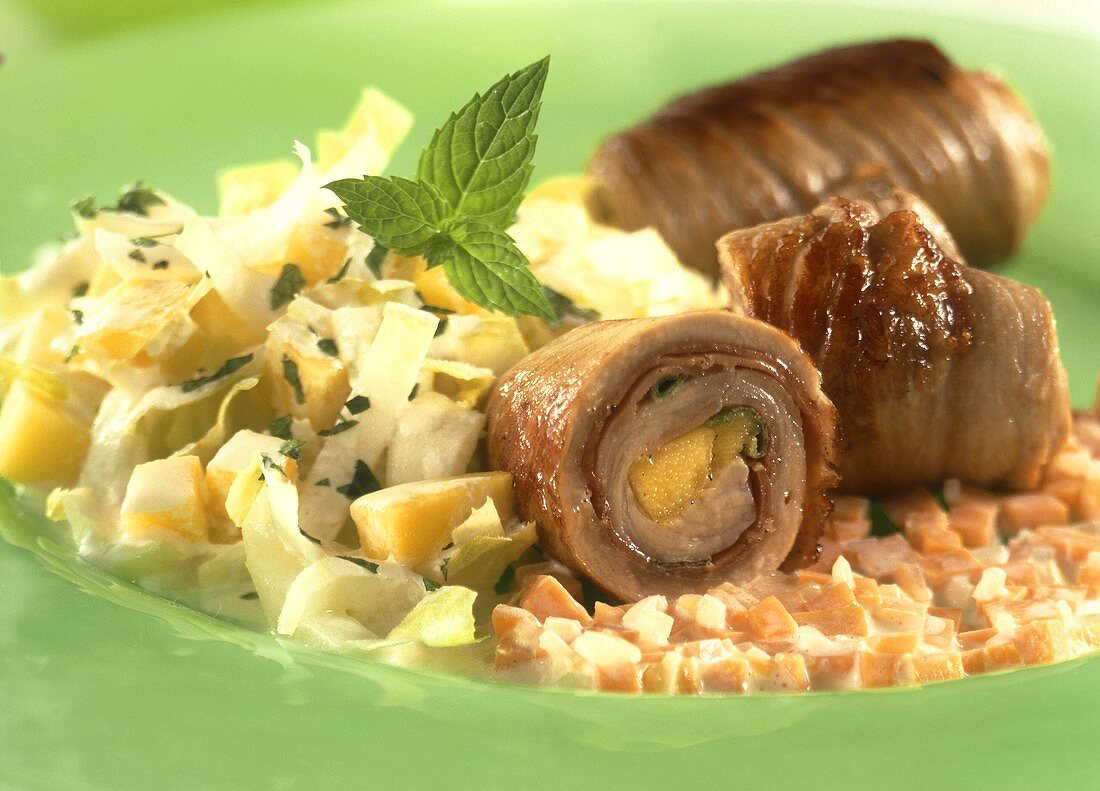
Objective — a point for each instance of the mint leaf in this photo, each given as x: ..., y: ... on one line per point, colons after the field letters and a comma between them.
x: 480, y: 159
x: 398, y: 213
x: 489, y: 270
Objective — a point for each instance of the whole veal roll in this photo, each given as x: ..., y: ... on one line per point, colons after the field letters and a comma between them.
x: 855, y: 121
x: 667, y: 455
x: 937, y: 370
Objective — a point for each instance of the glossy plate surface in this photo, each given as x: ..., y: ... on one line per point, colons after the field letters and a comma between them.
x: 103, y: 686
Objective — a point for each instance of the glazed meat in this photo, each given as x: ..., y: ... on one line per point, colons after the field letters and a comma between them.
x: 937, y: 370
x: 668, y: 455
x: 857, y: 121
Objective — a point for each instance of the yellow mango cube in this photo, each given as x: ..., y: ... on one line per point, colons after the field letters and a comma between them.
x: 244, y: 190
x: 44, y: 443
x: 414, y: 521
x: 234, y: 457
x: 324, y: 385
x: 166, y: 497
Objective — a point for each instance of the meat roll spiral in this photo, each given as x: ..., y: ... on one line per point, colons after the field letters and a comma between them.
x: 937, y: 370
x: 855, y: 121
x: 668, y: 455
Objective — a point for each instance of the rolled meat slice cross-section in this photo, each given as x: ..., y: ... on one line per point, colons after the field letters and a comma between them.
x: 856, y: 121
x: 937, y: 370
x: 667, y: 455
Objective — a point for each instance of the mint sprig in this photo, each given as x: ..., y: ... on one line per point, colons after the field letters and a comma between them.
x: 470, y: 181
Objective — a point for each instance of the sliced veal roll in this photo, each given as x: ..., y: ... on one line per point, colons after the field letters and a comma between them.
x: 668, y: 455
x: 851, y: 121
x: 937, y: 370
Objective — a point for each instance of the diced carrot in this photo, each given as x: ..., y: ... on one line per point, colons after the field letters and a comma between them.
x: 791, y: 672
x: 1001, y: 655
x: 939, y: 632
x: 895, y: 643
x: 851, y: 509
x: 900, y: 616
x: 849, y: 620
x: 958, y: 494
x: 910, y: 579
x: 877, y: 557
x: 689, y: 682
x: 770, y: 620
x: 730, y: 674
x: 837, y: 594
x: 867, y: 593
x: 1088, y: 497
x: 606, y: 615
x: 950, y: 613
x: 807, y: 577
x: 937, y: 667
x: 619, y: 677
x: 1031, y: 510
x: 915, y: 510
x: 1042, y: 641
x: 976, y: 638
x: 847, y: 529
x: 663, y: 675
x: 1068, y: 490
x: 975, y: 523
x: 545, y: 596
x: 1075, y: 544
x: 878, y: 670
x: 830, y: 671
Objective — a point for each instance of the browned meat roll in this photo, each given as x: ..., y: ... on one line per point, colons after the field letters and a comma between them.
x: 855, y: 121
x: 937, y: 370
x: 668, y: 455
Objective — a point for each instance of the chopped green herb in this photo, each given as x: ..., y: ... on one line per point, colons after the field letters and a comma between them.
x: 162, y: 264
x: 144, y: 241
x: 375, y: 258
x: 504, y: 584
x: 436, y: 309
x: 290, y: 373
x: 269, y: 464
x: 358, y: 404
x: 339, y: 428
x: 328, y: 346
x: 368, y: 565
x: 137, y: 255
x: 666, y: 386
x: 338, y: 220
x: 323, y: 482
x: 80, y: 289
x: 229, y: 366
x: 85, y: 207
x: 748, y: 424
x: 250, y: 596
x: 566, y: 308
x: 288, y: 285
x: 441, y: 327
x: 415, y: 390
x: 431, y: 585
x: 443, y: 567
x: 280, y: 427
x: 73, y: 352
x: 292, y: 449
x: 340, y: 275
x: 362, y: 482
x: 137, y: 200
x: 78, y: 316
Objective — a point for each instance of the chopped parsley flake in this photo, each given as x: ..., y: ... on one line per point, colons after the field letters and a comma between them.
x: 362, y: 482
x: 339, y: 428
x: 73, y: 352
x: 358, y: 404
x: 144, y: 241
x: 137, y: 255
x: 292, y: 449
x: 368, y: 565
x: 415, y: 390
x: 280, y: 427
x: 328, y: 346
x: 290, y: 373
x: 85, y: 207
x: 338, y: 220
x: 80, y: 289
x: 323, y: 482
x: 229, y: 366
x: 375, y: 258
x: 288, y: 285
x: 78, y: 316
x: 431, y: 585
x: 340, y: 275
x: 137, y: 200
x: 161, y: 264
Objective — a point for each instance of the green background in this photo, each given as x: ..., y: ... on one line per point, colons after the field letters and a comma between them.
x: 119, y: 689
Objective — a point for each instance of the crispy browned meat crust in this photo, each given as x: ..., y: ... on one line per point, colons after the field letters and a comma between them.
x: 552, y: 415
x: 855, y: 121
x: 937, y: 370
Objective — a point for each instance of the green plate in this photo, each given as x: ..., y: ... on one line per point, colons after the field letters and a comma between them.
x: 103, y: 686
